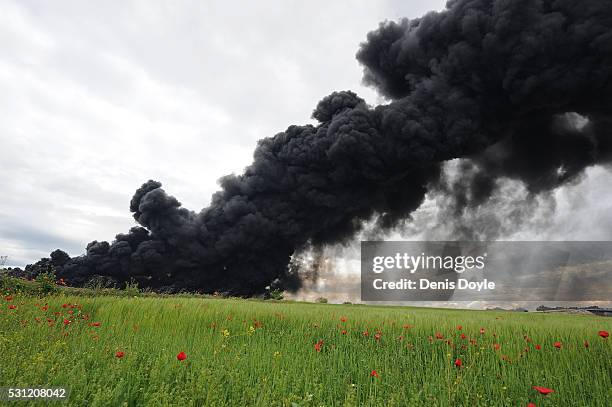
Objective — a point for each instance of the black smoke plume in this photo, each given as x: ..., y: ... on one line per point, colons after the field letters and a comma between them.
x: 520, y: 89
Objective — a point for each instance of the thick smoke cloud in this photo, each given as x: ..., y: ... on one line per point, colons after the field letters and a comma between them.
x: 519, y: 89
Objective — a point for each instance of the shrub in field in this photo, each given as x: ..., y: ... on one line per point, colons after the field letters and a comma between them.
x: 131, y: 289
x: 101, y: 285
x: 322, y: 300
x: 46, y: 280
x: 43, y: 284
x: 46, y: 283
x: 12, y: 285
x: 100, y: 282
x: 275, y: 294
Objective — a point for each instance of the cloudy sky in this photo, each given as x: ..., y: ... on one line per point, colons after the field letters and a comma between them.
x: 98, y: 97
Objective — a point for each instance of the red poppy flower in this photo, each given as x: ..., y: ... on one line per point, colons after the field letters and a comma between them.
x: 66, y: 321
x: 406, y: 326
x: 482, y: 331
x: 497, y: 346
x: 181, y: 356
x: 95, y: 324
x: 374, y: 373
x: 543, y: 390
x: 342, y: 319
x: 538, y: 347
x: 319, y: 345
x: 46, y: 307
x: 557, y: 345
x: 458, y: 362
x: 463, y: 336
x: 119, y: 354
x: 64, y: 305
x: 400, y: 338
x: 9, y: 298
x: 366, y: 333
x: 439, y: 335
x: 459, y: 327
x: 531, y: 405
x: 603, y: 334
x: 12, y: 306
x: 586, y: 344
x: 377, y: 336
x: 343, y: 332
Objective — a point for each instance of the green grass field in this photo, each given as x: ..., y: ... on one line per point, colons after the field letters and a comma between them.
x: 242, y: 352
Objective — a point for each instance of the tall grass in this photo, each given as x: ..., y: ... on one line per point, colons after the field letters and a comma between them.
x: 242, y: 352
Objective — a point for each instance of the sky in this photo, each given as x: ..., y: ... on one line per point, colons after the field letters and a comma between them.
x: 99, y: 97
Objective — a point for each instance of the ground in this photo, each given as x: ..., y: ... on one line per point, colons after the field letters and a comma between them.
x: 112, y: 350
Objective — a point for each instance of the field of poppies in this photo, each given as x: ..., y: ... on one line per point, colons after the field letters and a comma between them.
x: 195, y: 351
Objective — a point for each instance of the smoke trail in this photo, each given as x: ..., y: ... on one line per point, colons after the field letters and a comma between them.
x: 519, y: 89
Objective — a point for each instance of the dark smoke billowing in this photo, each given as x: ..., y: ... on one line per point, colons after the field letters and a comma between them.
x: 519, y: 89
